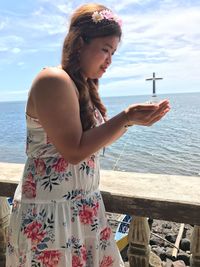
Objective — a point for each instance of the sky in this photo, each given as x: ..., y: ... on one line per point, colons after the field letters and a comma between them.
x: 158, y: 36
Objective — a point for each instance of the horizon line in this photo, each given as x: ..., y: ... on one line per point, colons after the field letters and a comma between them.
x: 149, y: 95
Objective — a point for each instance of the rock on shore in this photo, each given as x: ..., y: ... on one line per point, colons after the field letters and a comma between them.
x: 169, y: 231
x: 161, y: 231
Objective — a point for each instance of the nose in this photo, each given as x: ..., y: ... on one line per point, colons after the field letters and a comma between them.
x: 109, y: 59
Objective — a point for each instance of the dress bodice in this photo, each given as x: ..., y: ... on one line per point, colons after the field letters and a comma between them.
x: 38, y: 144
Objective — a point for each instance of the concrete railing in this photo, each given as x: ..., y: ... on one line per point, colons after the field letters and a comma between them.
x: 162, y: 197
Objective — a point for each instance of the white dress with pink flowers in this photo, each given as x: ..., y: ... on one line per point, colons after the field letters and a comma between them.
x: 58, y: 216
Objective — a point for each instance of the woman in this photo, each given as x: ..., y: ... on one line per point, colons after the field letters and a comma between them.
x: 58, y: 217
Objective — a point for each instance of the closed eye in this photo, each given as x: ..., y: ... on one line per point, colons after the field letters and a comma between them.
x: 105, y: 50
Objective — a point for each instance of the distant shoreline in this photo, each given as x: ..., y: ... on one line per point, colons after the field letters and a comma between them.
x: 117, y: 96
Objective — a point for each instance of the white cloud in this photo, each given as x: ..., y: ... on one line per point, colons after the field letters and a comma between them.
x: 17, y: 95
x: 41, y: 25
x: 3, y: 49
x: 65, y: 8
x: 9, y: 42
x: 167, y: 42
x: 16, y: 50
x: 123, y: 5
x: 21, y: 63
x: 17, y: 92
x: 2, y: 25
x: 161, y: 37
x: 38, y: 12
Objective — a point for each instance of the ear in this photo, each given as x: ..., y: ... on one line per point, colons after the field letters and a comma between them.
x: 80, y: 43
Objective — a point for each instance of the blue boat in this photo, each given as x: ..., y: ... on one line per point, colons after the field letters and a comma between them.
x: 121, y: 235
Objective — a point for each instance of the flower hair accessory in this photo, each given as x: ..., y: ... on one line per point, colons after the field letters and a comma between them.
x: 106, y: 14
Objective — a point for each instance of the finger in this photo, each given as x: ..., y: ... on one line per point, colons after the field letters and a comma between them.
x: 150, y: 107
x: 154, y: 121
x: 163, y: 103
x: 158, y: 117
x: 151, y: 114
x: 162, y: 108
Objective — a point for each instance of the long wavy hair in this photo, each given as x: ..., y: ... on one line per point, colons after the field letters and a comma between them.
x: 82, y: 25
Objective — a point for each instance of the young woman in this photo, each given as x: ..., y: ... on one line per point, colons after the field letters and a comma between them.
x: 58, y: 217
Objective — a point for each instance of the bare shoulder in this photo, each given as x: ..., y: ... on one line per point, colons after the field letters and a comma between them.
x: 52, y: 89
x: 50, y: 78
x: 53, y: 72
x: 51, y: 84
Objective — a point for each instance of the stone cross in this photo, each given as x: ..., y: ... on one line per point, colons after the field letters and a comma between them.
x: 154, y: 82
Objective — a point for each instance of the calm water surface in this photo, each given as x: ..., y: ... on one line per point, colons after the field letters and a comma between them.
x: 172, y: 146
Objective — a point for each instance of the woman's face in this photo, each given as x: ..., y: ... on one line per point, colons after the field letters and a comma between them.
x: 96, y: 56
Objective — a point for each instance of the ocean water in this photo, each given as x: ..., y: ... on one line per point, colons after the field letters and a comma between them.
x: 171, y: 146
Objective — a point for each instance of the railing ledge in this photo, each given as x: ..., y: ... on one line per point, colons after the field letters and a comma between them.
x: 163, y: 197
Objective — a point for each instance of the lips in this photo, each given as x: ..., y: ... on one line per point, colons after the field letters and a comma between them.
x: 104, y: 68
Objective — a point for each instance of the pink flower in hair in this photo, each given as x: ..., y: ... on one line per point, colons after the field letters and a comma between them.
x: 107, y: 14
x: 97, y: 16
x: 119, y: 21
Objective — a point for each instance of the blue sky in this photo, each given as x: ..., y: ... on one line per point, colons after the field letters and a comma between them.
x: 158, y: 36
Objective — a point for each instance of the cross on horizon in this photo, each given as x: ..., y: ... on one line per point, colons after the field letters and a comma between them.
x: 154, y: 82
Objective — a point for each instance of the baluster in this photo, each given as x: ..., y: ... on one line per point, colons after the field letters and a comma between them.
x: 4, y: 221
x: 195, y: 247
x: 139, y: 236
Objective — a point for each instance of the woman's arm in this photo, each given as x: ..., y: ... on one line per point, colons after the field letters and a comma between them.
x: 57, y: 108
x: 116, y: 137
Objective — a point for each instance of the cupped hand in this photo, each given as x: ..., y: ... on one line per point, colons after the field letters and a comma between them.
x: 146, y: 114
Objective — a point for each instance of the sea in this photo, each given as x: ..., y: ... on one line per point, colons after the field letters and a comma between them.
x: 170, y: 146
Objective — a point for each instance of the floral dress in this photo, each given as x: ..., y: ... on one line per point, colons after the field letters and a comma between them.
x: 58, y: 217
